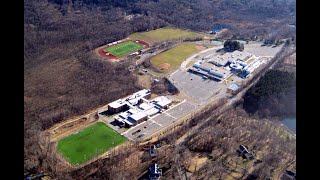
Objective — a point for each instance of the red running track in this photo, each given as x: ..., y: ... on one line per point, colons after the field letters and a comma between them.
x: 102, y: 53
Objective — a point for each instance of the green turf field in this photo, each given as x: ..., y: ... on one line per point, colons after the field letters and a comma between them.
x: 174, y: 56
x: 89, y: 142
x: 124, y: 48
x: 164, y: 34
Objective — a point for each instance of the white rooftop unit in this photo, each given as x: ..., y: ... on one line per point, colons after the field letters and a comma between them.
x: 134, y: 101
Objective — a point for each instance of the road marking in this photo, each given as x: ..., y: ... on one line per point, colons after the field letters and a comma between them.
x: 170, y: 115
x: 174, y: 72
x: 156, y: 123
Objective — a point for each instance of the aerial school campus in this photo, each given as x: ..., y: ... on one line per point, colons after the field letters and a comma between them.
x: 204, y: 73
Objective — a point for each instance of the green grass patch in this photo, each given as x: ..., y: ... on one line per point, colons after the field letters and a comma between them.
x: 164, y: 34
x: 174, y: 56
x: 124, y: 48
x: 88, y: 143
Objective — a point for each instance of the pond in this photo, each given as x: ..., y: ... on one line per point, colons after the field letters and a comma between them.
x: 290, y: 123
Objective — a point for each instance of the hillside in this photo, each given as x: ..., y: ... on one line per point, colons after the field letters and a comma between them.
x: 62, y: 78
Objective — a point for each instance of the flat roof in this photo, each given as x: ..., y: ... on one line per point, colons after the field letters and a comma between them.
x: 216, y: 69
x: 118, y: 118
x: 145, y: 106
x: 118, y: 103
x: 220, y: 60
x: 130, y: 121
x: 132, y: 111
x: 141, y: 93
x: 234, y: 87
x: 152, y: 111
x: 229, y: 56
x: 138, y: 116
x: 162, y: 101
x: 133, y: 99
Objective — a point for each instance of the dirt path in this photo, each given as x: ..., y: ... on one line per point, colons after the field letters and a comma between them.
x: 73, y: 124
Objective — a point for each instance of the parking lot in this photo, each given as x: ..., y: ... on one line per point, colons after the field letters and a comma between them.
x: 194, y: 85
x: 158, y: 122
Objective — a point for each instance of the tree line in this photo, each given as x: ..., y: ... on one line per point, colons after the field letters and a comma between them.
x: 273, y: 95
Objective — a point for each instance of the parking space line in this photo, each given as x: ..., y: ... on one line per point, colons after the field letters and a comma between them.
x: 156, y: 123
x: 170, y: 115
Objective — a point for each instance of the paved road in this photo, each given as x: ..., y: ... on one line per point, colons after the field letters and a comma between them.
x: 184, y: 63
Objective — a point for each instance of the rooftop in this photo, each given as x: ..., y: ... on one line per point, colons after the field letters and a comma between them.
x: 152, y: 111
x: 234, y: 87
x: 118, y: 103
x: 130, y: 121
x: 154, y: 169
x: 145, y: 106
x: 162, y: 101
x: 140, y: 94
x: 229, y: 57
x: 138, y: 116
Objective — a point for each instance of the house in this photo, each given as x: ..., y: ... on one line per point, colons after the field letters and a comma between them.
x: 154, y: 172
x: 245, y: 153
x: 152, y: 151
x: 288, y: 175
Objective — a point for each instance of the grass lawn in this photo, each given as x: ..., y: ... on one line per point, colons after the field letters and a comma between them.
x: 88, y: 143
x: 124, y: 48
x: 174, y: 57
x: 164, y: 34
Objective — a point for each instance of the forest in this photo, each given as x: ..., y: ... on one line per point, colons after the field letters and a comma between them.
x: 62, y: 78
x: 273, y: 95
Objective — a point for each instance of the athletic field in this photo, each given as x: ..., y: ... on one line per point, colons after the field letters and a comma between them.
x: 173, y: 58
x: 164, y: 34
x: 123, y: 48
x: 88, y: 143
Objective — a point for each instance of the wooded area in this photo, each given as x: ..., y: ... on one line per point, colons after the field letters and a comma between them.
x: 62, y: 78
x: 273, y: 95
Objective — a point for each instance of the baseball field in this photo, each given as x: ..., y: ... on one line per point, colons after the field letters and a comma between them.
x: 88, y: 143
x: 172, y: 58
